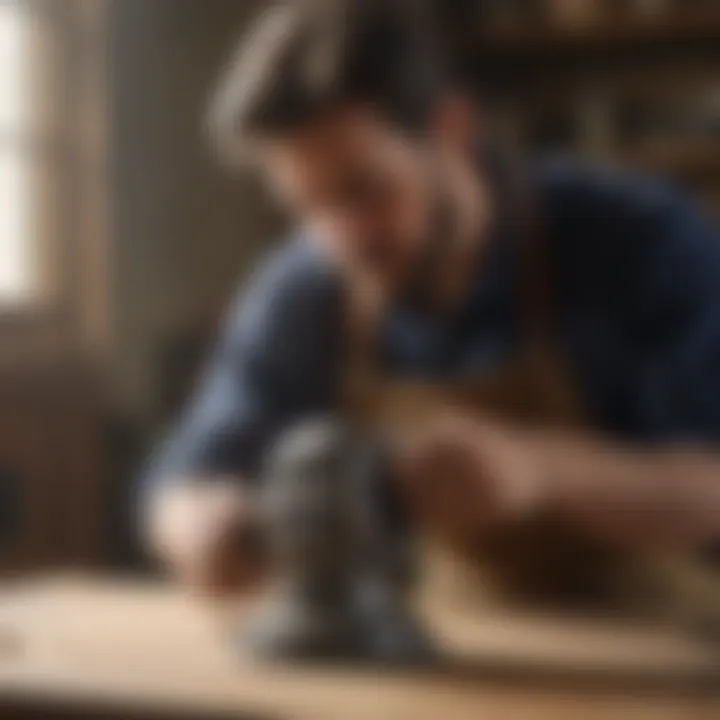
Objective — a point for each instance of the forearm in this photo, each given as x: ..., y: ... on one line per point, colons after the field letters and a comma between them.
x: 204, y: 531
x: 175, y: 509
x: 664, y: 498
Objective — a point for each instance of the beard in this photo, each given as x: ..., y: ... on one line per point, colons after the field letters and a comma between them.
x: 425, y: 278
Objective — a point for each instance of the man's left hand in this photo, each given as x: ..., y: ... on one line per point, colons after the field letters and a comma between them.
x: 460, y: 477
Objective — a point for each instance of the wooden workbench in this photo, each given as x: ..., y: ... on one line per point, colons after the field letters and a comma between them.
x: 92, y: 649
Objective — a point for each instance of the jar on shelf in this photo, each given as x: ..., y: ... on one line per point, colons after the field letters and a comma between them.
x: 575, y: 13
x: 510, y: 14
x: 652, y: 9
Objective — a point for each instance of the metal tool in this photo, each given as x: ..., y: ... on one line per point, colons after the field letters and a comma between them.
x: 340, y: 558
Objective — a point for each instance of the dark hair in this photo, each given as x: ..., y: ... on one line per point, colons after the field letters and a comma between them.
x: 305, y: 58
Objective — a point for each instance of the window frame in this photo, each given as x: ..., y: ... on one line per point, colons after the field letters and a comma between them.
x: 71, y: 305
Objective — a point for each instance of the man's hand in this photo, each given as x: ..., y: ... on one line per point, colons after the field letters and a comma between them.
x: 204, y: 532
x: 460, y: 477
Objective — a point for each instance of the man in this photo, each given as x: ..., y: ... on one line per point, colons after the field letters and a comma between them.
x: 363, y: 136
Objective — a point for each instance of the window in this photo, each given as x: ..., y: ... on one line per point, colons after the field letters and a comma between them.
x: 18, y: 109
x: 52, y: 173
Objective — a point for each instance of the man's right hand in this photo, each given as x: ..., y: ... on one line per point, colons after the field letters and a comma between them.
x: 206, y: 533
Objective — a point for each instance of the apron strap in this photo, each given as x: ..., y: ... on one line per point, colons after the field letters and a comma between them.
x: 365, y: 308
x: 520, y: 205
x: 538, y: 313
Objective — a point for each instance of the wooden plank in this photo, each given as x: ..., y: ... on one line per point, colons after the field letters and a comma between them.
x: 601, y: 36
x: 133, y: 646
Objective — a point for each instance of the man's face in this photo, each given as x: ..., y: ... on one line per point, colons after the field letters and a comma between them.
x: 369, y: 192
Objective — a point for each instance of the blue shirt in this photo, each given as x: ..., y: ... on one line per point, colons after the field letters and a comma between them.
x: 635, y: 271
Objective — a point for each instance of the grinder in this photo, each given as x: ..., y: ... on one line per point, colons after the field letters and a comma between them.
x: 340, y: 557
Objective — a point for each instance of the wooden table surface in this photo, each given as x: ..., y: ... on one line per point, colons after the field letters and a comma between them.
x: 142, y: 650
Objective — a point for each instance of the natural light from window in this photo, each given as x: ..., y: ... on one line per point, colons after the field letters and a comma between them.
x: 17, y: 236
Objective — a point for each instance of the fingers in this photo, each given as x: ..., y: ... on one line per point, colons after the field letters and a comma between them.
x: 461, y: 477
x: 440, y: 482
x: 209, y: 540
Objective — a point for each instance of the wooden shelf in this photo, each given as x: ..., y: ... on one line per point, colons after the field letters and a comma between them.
x: 633, y: 35
x: 698, y: 163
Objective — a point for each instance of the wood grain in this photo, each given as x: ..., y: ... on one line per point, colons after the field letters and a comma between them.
x: 131, y: 647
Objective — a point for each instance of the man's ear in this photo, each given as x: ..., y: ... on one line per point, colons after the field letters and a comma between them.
x: 455, y: 122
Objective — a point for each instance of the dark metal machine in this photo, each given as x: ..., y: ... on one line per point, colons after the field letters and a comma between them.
x: 341, y: 560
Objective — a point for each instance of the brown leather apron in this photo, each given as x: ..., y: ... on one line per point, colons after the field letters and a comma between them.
x: 541, y: 561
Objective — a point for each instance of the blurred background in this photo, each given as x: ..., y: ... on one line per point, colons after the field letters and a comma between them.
x: 122, y: 237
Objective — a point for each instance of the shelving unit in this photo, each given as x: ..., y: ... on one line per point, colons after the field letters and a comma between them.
x: 603, y: 79
x: 634, y: 35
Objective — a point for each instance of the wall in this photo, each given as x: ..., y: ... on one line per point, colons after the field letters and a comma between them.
x: 184, y: 229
